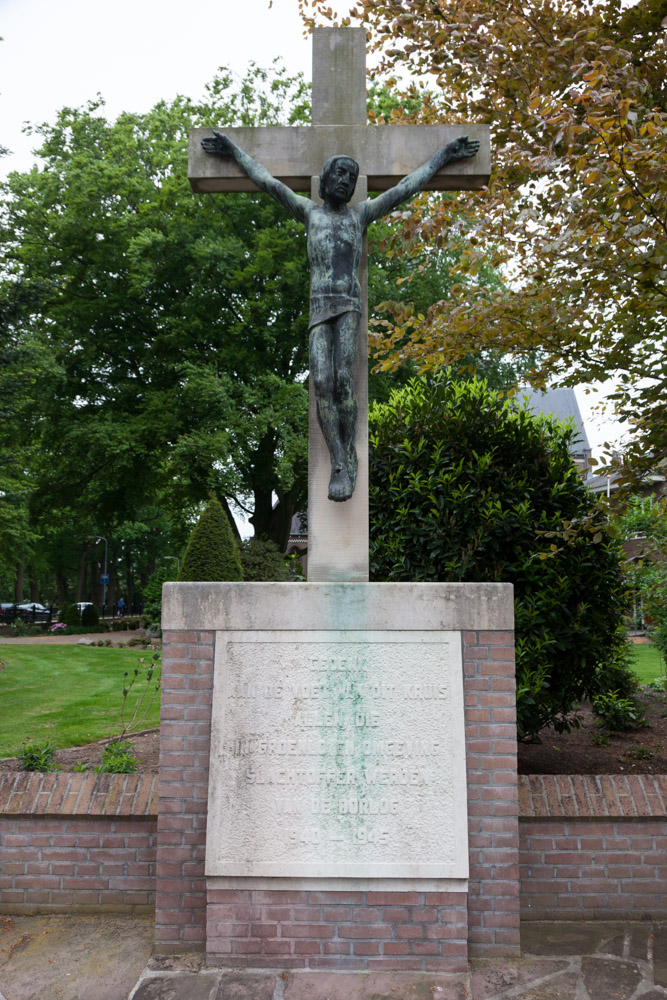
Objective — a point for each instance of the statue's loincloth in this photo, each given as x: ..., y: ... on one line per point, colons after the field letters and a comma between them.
x: 325, y: 308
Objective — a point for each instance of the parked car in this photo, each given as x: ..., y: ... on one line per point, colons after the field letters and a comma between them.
x: 7, y: 609
x: 33, y: 611
x: 80, y: 605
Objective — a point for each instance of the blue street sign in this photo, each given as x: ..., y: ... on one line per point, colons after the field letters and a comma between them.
x: 104, y: 577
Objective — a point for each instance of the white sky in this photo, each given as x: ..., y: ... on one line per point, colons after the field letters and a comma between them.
x: 58, y: 53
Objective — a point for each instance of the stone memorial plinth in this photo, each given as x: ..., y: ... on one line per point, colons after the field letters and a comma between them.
x: 327, y: 801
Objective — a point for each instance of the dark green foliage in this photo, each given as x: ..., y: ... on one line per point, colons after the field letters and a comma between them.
x: 212, y: 553
x: 153, y: 595
x: 70, y: 615
x: 40, y: 755
x: 468, y: 487
x: 89, y: 615
x: 262, y: 560
x: 616, y: 674
x: 617, y: 714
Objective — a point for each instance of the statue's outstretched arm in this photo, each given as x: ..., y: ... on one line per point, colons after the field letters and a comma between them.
x: 222, y: 145
x: 459, y: 149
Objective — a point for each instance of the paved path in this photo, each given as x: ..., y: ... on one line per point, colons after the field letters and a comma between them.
x: 108, y: 958
x: 47, y: 639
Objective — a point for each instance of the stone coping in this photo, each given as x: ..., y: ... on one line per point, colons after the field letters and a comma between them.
x: 76, y: 794
x: 592, y: 796
x: 541, y: 796
x: 475, y: 607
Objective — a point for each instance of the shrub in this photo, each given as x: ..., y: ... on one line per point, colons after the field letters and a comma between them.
x: 261, y: 559
x: 616, y: 713
x: 117, y: 758
x: 70, y: 615
x: 212, y: 553
x: 89, y: 615
x: 468, y: 487
x: 38, y: 755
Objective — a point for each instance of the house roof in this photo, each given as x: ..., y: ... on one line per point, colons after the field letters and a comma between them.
x: 562, y: 404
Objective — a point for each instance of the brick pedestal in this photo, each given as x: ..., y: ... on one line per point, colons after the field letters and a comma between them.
x: 364, y: 928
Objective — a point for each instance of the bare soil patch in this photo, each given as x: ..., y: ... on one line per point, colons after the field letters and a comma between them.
x: 146, y: 750
x: 639, y: 751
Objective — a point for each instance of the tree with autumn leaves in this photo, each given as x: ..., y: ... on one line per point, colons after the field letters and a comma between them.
x: 575, y: 216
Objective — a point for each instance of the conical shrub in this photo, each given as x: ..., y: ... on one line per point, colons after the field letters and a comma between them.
x: 212, y: 553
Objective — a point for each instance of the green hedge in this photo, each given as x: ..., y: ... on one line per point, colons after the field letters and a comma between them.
x: 466, y: 486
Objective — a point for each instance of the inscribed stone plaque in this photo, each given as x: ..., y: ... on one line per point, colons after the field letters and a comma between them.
x: 337, y: 754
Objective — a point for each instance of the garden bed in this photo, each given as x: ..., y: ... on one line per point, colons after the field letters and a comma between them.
x: 639, y: 751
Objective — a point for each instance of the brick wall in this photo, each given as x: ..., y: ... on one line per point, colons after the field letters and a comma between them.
x: 185, y: 736
x: 593, y: 847
x: 493, y: 806
x: 366, y: 933
x: 77, y: 841
x: 338, y: 930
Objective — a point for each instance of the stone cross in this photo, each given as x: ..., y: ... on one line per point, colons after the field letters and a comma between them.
x: 338, y: 532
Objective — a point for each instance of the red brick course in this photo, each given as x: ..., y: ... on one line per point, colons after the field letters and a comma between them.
x: 77, y: 842
x: 102, y: 861
x: 493, y: 903
x: 593, y: 847
x: 187, y: 684
x: 308, y: 928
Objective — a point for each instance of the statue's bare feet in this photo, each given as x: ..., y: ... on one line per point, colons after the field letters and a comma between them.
x: 341, y: 486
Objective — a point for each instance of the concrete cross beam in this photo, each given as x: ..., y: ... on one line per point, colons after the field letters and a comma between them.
x: 385, y: 153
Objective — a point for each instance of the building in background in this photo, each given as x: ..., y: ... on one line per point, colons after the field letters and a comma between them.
x: 562, y: 404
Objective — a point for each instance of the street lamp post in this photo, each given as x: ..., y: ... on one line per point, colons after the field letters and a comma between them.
x: 178, y: 563
x: 104, y: 584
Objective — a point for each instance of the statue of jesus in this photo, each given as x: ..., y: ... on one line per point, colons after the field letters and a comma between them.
x: 335, y: 232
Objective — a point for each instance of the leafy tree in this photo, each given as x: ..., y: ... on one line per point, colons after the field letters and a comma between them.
x: 575, y: 217
x: 468, y: 487
x: 176, y: 323
x: 212, y: 552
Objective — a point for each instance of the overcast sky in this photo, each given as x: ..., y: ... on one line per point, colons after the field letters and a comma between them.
x: 58, y: 53
x: 134, y: 52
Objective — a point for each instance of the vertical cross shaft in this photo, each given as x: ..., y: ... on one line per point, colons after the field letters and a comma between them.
x: 338, y: 532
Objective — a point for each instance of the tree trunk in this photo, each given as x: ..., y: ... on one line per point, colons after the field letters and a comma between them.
x: 230, y: 517
x: 60, y: 588
x: 129, y: 580
x: 96, y: 588
x: 111, y: 587
x: 18, y: 582
x: 34, y: 586
x: 269, y: 521
x: 81, y: 583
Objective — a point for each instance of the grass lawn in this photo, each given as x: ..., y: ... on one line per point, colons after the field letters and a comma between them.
x: 646, y: 662
x: 69, y: 694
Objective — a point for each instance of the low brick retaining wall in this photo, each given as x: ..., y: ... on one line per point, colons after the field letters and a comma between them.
x: 77, y: 842
x: 590, y: 847
x: 593, y: 847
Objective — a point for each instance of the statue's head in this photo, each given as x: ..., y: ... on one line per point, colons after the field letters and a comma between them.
x: 339, y: 178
